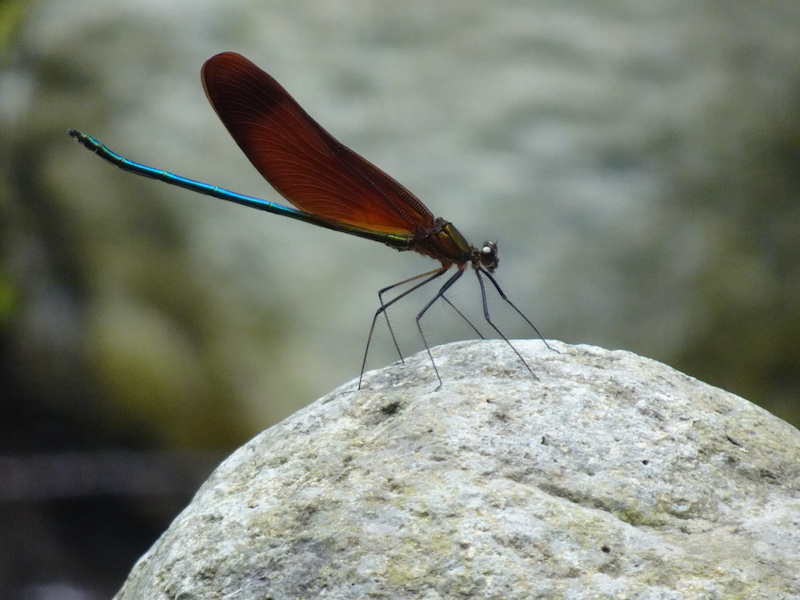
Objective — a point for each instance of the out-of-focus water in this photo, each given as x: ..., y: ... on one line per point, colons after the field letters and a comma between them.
x: 592, y: 139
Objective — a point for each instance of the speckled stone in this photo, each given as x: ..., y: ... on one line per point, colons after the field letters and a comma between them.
x: 606, y: 476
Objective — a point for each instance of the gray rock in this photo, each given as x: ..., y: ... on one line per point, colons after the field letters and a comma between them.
x: 607, y: 476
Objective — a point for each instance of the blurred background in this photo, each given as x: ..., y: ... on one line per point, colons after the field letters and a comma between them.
x: 639, y: 164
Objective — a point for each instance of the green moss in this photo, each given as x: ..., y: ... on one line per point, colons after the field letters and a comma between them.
x: 9, y: 299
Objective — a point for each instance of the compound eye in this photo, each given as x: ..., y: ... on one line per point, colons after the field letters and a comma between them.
x: 489, y: 257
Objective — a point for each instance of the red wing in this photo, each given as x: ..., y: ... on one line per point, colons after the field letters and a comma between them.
x: 301, y: 160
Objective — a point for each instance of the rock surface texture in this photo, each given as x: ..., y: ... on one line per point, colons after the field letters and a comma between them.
x: 607, y: 476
